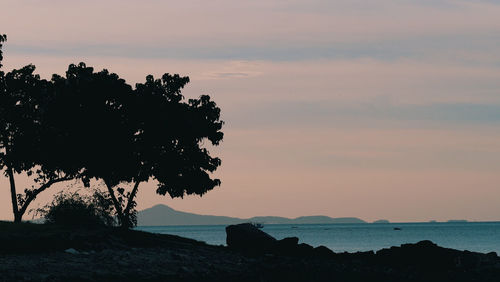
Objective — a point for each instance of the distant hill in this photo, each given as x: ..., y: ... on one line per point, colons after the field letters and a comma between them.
x: 164, y: 215
x: 381, y: 221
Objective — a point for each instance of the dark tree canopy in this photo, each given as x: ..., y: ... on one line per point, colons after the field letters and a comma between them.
x: 93, y: 125
x: 19, y: 117
x: 108, y: 131
x: 170, y: 135
x: 22, y: 135
x: 90, y: 124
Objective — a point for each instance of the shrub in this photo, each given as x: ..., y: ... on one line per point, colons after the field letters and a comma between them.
x: 74, y: 209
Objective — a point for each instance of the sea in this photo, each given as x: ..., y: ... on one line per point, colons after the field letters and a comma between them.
x: 473, y: 236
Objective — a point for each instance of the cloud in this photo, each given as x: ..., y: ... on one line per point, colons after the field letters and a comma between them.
x: 330, y: 114
x: 459, y: 47
x: 413, y: 89
x: 253, y: 30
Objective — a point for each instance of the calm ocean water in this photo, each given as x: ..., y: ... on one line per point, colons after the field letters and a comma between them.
x: 472, y: 236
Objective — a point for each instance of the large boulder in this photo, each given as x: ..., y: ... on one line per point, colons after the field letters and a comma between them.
x: 286, y: 246
x: 247, y: 238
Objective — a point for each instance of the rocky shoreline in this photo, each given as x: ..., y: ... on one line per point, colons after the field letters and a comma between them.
x: 35, y: 253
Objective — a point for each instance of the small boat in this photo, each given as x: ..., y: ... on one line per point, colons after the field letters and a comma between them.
x: 397, y: 228
x: 258, y: 225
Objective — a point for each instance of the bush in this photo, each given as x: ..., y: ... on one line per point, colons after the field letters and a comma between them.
x: 79, y: 210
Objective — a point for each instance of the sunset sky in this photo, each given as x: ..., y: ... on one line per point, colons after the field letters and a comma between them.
x: 373, y: 109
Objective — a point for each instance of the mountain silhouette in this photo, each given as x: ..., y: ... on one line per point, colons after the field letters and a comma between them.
x: 161, y: 215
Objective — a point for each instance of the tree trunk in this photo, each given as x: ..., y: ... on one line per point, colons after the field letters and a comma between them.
x: 18, y: 217
x: 117, y: 205
x: 12, y: 182
x: 126, y: 213
x: 13, y: 195
x: 123, y: 214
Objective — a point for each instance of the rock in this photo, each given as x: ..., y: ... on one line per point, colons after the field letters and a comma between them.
x: 287, y: 246
x: 323, y: 251
x: 71, y: 251
x: 289, y: 242
x: 422, y: 254
x: 247, y: 238
x: 492, y: 255
x: 305, y: 250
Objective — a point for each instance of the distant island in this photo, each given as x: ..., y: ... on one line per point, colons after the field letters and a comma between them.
x: 161, y: 215
x: 381, y: 221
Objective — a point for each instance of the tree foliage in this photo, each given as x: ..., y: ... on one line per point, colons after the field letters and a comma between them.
x: 93, y: 125
x: 23, y: 100
x: 170, y: 134
x: 127, y: 135
x: 23, y: 96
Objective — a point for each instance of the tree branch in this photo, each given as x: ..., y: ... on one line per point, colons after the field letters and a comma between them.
x: 117, y: 205
x: 131, y: 197
x: 32, y: 196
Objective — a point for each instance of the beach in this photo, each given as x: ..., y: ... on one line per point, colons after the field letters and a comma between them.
x: 41, y: 253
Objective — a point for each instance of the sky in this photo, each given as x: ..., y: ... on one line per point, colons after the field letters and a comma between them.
x: 384, y: 109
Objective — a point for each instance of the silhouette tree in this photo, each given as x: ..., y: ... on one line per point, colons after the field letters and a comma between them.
x: 22, y: 102
x: 94, y: 125
x: 168, y: 139
x: 91, y: 122
x: 119, y: 135
x: 23, y: 97
x: 3, y: 38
